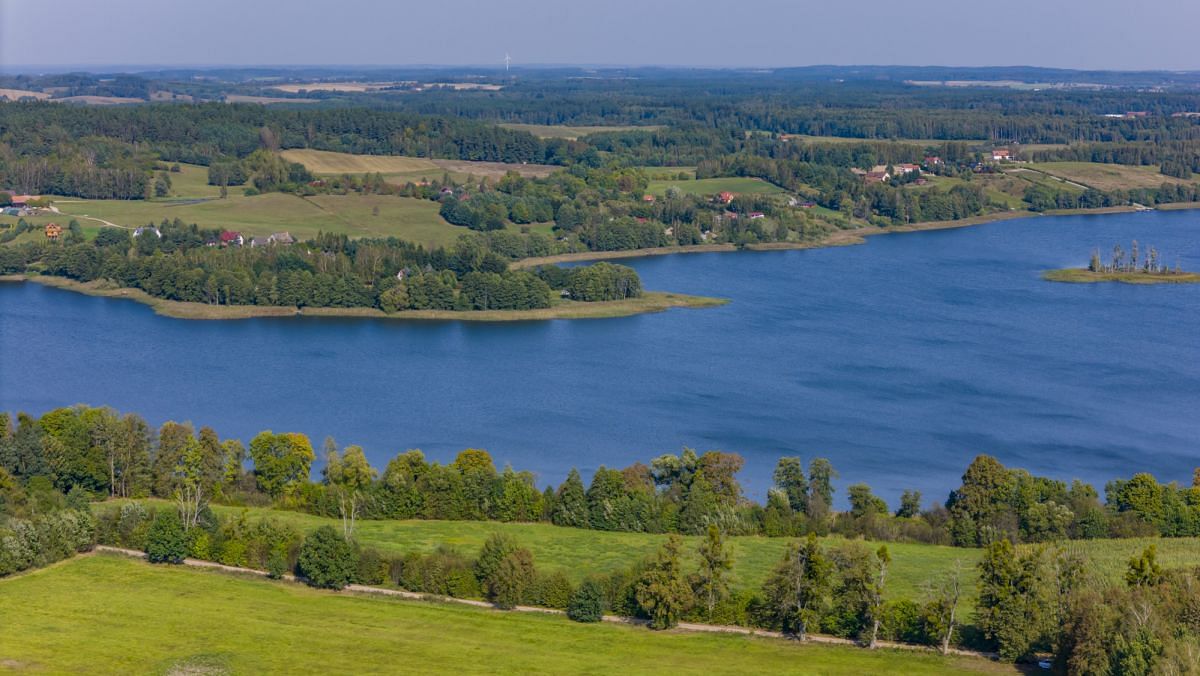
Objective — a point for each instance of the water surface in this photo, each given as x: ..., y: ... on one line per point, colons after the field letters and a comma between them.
x: 900, y: 360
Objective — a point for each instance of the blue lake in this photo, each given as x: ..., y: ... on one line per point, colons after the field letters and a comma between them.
x: 899, y: 360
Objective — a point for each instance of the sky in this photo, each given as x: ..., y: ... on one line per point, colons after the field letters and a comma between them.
x: 1087, y: 34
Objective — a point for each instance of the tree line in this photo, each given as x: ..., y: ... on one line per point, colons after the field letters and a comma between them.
x: 99, y: 452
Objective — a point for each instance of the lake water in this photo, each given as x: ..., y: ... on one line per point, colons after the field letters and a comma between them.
x: 899, y: 360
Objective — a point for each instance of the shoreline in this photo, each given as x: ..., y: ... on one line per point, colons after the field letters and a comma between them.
x: 1085, y: 276
x: 650, y: 301
x: 836, y: 238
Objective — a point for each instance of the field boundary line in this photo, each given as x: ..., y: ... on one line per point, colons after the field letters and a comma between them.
x: 696, y: 627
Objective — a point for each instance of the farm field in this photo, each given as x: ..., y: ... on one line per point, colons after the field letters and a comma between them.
x: 177, y: 620
x: 573, y: 132
x: 405, y: 217
x: 397, y: 167
x: 1107, y: 176
x: 711, y: 186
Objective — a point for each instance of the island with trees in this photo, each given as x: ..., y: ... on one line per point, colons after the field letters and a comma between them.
x: 1132, y: 267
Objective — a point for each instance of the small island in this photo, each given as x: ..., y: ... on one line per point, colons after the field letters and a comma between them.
x: 1125, y: 267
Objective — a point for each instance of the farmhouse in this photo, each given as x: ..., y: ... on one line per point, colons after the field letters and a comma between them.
x: 906, y: 168
x: 259, y: 241
x: 725, y: 197
x: 281, y: 238
x: 1001, y: 155
x: 53, y: 230
x: 756, y: 215
x: 231, y: 238
x: 647, y: 198
x: 22, y: 200
x: 933, y: 161
x: 876, y: 176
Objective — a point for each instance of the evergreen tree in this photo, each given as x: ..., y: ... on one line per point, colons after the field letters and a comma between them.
x: 571, y: 503
x: 662, y: 594
x: 587, y: 603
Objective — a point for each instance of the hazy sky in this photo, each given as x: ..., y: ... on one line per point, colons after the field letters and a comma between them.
x: 1111, y: 34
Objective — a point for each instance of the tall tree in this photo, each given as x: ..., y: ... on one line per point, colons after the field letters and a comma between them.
x: 798, y: 590
x: 661, y: 591
x: 820, y: 487
x: 710, y: 583
x: 570, y: 506
x: 348, y: 475
x: 789, y: 478
x: 281, y: 461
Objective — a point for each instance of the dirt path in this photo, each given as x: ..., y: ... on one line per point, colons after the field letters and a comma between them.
x: 101, y: 221
x: 615, y: 619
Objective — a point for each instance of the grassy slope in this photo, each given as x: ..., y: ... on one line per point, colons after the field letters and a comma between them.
x: 710, y: 186
x: 260, y: 215
x: 399, y: 168
x: 1107, y: 176
x: 105, y: 614
x: 578, y: 552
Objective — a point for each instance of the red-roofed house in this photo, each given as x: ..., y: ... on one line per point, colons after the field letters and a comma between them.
x: 726, y: 197
x: 647, y: 198
x: 757, y: 214
x: 932, y: 161
x: 230, y: 238
x: 906, y: 168
x: 1001, y: 155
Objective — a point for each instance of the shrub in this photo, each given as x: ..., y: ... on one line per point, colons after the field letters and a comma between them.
x: 327, y: 560
x: 512, y: 579
x: 587, y: 603
x: 553, y: 591
x: 166, y: 541
x: 277, y: 563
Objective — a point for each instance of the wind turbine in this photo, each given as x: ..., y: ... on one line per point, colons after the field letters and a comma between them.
x: 507, y: 60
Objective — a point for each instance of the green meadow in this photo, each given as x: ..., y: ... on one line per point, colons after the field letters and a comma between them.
x: 110, y: 614
x: 712, y: 186
x: 579, y: 552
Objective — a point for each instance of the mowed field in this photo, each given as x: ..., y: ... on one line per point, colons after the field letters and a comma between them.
x: 398, y: 169
x: 110, y: 614
x: 1107, y: 176
x: 573, y: 132
x: 711, y: 186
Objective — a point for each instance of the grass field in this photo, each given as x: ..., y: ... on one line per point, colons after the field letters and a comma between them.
x: 1107, y: 176
x: 109, y: 614
x: 397, y: 168
x: 409, y: 218
x: 712, y: 186
x: 572, y: 132
x: 578, y: 552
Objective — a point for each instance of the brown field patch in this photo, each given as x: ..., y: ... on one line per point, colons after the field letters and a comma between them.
x: 18, y: 94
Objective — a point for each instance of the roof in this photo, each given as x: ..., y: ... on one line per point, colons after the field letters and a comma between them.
x: 281, y: 237
x: 230, y: 236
